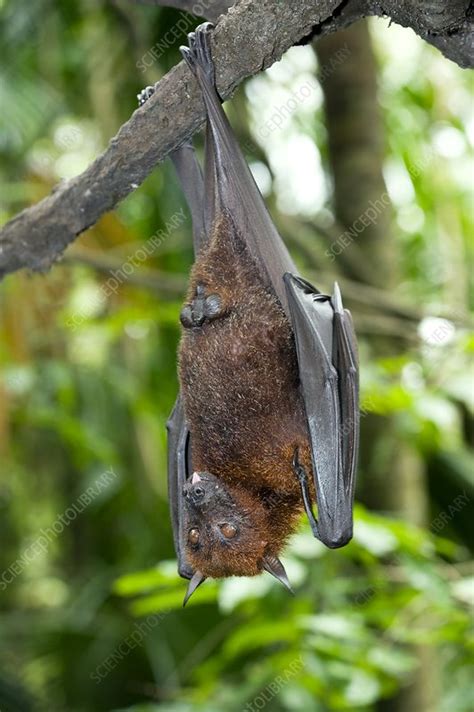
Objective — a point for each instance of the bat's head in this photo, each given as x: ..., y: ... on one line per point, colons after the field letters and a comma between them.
x: 227, y: 532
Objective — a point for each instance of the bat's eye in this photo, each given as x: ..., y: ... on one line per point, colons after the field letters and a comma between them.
x: 193, y: 536
x: 228, y: 530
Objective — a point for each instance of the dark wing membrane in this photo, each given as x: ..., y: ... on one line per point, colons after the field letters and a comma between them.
x: 179, y: 437
x: 229, y: 184
x: 327, y: 361
x: 178, y: 459
x: 345, y: 358
x: 190, y: 176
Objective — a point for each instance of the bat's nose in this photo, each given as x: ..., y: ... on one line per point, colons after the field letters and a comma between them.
x: 197, y: 493
x: 197, y: 489
x: 194, y: 489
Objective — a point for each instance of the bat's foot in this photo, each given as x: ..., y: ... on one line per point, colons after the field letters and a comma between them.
x: 145, y: 95
x: 298, y: 468
x: 202, y: 309
x: 198, y: 54
x: 302, y: 476
x: 300, y: 473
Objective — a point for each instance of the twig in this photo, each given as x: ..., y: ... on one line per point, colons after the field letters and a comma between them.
x: 153, y: 280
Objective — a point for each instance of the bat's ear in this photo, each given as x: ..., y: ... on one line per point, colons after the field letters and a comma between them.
x: 276, y: 569
x: 196, y: 581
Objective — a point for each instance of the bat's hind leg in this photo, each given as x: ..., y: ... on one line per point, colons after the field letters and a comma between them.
x: 204, y: 307
x: 198, y: 54
x: 302, y: 476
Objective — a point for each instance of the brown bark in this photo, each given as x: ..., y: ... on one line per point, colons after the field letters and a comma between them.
x: 446, y: 24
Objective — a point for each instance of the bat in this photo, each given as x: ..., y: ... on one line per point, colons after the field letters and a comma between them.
x: 267, y: 419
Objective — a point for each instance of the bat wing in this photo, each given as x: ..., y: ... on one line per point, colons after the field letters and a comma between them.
x: 191, y: 179
x: 179, y: 437
x: 229, y: 184
x: 178, y: 471
x: 328, y: 368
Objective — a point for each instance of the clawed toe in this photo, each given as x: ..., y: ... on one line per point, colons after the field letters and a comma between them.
x: 145, y: 94
x: 198, y: 51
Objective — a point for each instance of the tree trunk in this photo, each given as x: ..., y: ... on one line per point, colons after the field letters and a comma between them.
x: 392, y: 472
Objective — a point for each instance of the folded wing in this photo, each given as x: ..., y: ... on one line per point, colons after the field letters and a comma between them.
x: 328, y: 367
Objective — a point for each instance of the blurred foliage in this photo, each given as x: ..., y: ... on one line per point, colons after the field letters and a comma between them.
x: 93, y: 620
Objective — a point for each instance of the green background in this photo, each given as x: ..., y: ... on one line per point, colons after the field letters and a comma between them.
x: 92, y: 620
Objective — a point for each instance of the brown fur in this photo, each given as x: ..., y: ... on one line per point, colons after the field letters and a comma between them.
x: 240, y: 386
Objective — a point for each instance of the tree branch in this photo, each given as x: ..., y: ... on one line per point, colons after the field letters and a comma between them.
x: 446, y: 24
x: 249, y: 38
x: 162, y: 283
x: 210, y: 9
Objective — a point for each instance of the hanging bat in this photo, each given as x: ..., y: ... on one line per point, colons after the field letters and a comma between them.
x: 267, y: 419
